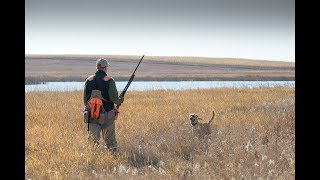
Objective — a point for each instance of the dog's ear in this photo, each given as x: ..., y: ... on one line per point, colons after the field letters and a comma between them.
x: 198, y: 117
x: 191, y: 115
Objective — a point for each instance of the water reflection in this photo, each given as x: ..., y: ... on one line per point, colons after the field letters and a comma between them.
x: 160, y: 85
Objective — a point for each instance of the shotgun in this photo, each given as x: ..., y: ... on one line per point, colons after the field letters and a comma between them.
x: 129, y: 82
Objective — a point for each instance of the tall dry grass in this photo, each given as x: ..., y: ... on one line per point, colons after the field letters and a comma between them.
x: 253, y: 136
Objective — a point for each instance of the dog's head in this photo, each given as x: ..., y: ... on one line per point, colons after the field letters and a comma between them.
x: 194, y: 119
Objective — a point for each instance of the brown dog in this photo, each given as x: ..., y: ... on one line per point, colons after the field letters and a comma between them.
x: 200, y: 129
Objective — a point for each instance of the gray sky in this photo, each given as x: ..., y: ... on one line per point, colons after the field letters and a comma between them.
x: 254, y: 29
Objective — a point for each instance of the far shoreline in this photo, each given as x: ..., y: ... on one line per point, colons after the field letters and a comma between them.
x: 40, y: 80
x: 66, y: 68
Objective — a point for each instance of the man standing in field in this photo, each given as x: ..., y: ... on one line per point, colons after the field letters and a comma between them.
x: 101, y: 81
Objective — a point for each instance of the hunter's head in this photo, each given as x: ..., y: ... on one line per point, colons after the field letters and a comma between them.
x: 102, y: 64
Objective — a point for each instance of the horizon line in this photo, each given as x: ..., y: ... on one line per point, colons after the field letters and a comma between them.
x: 207, y: 57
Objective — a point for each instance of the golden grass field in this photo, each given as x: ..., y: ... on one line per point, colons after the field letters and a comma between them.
x: 253, y: 136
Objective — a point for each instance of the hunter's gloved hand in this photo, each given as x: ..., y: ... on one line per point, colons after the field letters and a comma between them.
x: 121, y: 99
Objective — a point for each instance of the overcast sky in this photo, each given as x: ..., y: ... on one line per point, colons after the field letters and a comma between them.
x: 254, y: 29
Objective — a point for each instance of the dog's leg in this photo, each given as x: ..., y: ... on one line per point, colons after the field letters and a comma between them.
x: 213, y: 114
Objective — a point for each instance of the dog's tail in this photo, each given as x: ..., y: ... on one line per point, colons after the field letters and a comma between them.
x: 213, y: 114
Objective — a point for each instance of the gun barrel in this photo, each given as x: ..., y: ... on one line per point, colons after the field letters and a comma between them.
x: 127, y: 86
x: 138, y: 64
x: 130, y: 80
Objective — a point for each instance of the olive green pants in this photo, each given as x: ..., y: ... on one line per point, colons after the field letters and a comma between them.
x: 107, y: 131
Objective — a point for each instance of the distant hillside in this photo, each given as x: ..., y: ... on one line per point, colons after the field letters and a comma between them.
x: 77, y: 67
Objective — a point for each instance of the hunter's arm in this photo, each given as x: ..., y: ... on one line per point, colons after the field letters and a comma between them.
x: 85, y: 98
x: 113, y: 92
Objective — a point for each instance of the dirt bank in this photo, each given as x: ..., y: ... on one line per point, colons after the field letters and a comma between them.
x: 77, y: 68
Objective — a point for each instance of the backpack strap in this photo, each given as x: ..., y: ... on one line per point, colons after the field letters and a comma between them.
x: 106, y: 78
x: 90, y: 78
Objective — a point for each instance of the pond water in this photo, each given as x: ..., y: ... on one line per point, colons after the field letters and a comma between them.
x: 160, y: 85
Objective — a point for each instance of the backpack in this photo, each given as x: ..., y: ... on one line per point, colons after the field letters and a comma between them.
x: 94, y: 108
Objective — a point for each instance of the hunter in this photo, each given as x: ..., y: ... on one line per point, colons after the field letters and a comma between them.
x: 101, y: 81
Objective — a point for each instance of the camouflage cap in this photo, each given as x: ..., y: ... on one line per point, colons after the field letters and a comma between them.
x: 102, y: 63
